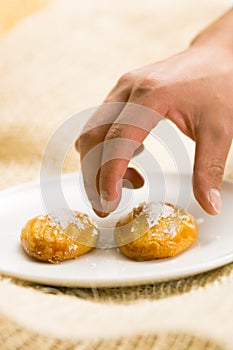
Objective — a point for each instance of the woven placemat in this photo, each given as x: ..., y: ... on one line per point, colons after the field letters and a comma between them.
x: 127, y: 294
x: 15, y: 337
x: 52, y: 64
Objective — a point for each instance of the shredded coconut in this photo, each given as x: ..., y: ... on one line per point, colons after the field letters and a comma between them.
x: 155, y: 211
x: 64, y: 217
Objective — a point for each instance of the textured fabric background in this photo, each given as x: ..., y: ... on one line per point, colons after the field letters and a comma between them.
x: 57, y: 58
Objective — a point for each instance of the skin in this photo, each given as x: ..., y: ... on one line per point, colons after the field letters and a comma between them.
x: 192, y: 89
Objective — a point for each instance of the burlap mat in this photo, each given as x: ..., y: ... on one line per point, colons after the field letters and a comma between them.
x: 59, y: 60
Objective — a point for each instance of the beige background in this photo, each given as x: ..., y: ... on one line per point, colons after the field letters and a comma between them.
x: 57, y: 58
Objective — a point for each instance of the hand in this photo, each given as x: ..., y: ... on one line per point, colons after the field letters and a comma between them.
x: 194, y: 90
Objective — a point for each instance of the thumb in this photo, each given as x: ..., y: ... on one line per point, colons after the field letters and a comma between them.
x: 210, y: 158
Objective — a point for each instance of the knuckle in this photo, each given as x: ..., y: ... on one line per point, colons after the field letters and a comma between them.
x: 211, y: 171
x: 87, y: 137
x: 215, y: 168
x: 114, y: 132
x: 126, y: 78
x: 124, y: 84
x: 146, y: 85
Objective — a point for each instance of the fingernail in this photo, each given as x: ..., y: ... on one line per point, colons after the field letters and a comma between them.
x: 215, y: 199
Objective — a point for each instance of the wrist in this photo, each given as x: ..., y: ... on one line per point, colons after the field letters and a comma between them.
x: 219, y: 34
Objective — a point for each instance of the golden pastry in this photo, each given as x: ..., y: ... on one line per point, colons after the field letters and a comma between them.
x: 155, y: 230
x: 47, y: 239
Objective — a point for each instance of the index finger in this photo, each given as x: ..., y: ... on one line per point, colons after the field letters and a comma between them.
x: 90, y: 146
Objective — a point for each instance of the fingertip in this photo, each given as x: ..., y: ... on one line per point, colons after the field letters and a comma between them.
x: 100, y: 213
x: 110, y: 188
x: 108, y: 203
x: 208, y: 198
x: 210, y: 158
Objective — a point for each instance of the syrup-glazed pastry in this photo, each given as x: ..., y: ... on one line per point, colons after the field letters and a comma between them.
x: 48, y: 239
x: 155, y: 230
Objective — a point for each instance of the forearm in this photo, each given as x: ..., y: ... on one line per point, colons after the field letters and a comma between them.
x: 219, y: 33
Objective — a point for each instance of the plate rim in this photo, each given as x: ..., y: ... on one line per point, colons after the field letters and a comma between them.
x: 108, y: 283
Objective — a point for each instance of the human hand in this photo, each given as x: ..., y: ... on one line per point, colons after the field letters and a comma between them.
x: 194, y: 90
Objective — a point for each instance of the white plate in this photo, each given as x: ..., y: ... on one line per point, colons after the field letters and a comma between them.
x: 107, y: 267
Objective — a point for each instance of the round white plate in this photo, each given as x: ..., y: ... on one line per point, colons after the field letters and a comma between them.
x: 107, y: 267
